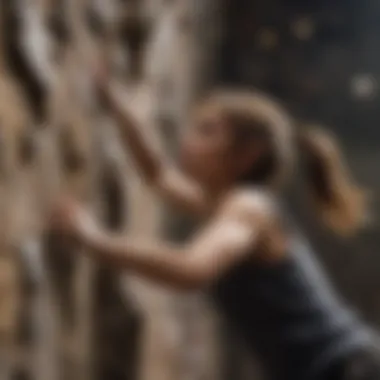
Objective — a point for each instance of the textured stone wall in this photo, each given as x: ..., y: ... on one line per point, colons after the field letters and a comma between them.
x: 63, y: 316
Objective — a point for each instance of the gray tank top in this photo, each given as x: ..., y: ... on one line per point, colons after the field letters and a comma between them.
x: 289, y: 314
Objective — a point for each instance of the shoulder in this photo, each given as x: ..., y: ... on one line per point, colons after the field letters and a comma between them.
x: 250, y: 205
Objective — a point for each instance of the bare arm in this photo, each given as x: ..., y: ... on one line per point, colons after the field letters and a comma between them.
x: 169, y: 182
x: 228, y: 238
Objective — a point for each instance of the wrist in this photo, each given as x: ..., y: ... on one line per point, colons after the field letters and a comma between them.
x: 102, y: 245
x: 91, y: 240
x: 87, y: 231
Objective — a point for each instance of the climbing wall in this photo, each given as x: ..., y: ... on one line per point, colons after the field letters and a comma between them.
x: 63, y: 316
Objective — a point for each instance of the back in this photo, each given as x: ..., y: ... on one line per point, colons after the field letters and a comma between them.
x: 289, y: 314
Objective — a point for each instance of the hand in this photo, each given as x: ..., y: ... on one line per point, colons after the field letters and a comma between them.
x: 73, y: 220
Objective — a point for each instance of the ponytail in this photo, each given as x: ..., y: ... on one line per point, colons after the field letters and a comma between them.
x: 340, y: 203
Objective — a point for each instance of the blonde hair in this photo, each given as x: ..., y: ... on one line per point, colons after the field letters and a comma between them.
x: 338, y: 199
x: 339, y: 202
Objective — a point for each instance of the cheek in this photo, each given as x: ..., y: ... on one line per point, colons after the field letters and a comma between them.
x: 187, y: 154
x: 191, y: 155
x: 205, y: 164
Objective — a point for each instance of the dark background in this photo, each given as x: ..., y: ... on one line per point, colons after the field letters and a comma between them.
x: 313, y: 75
x: 328, y: 72
x: 331, y: 76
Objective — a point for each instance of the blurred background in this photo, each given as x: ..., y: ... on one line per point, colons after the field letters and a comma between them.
x: 63, y: 316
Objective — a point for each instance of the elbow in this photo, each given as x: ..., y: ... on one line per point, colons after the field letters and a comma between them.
x: 183, y: 282
x: 191, y: 284
x: 195, y: 278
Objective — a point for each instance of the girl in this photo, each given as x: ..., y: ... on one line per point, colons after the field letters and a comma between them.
x: 237, y: 155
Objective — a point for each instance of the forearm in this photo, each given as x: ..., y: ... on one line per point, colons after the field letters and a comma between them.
x: 148, y: 160
x: 160, y: 262
x: 166, y: 180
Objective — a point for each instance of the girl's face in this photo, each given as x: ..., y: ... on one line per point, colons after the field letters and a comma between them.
x: 206, y: 150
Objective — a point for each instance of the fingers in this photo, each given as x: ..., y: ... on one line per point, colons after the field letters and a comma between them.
x: 72, y: 219
x: 63, y: 213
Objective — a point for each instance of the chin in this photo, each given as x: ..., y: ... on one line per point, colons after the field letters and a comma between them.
x: 190, y: 172
x: 186, y: 167
x: 192, y: 169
